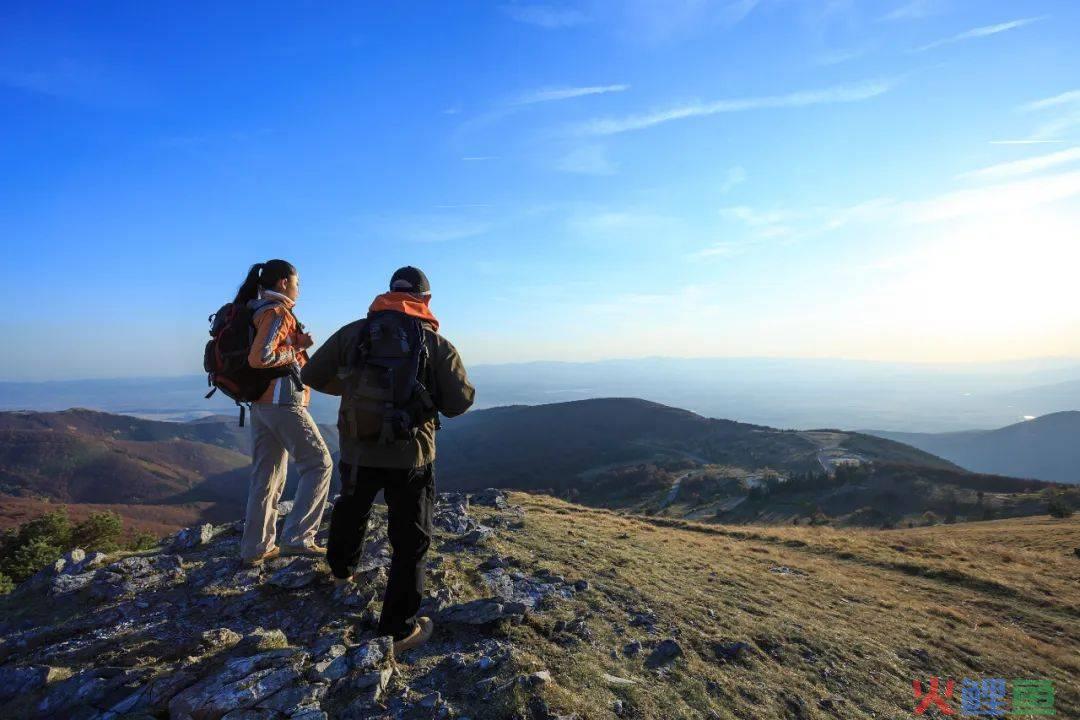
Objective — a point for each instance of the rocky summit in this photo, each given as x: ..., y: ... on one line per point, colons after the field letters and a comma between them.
x: 545, y: 609
x: 188, y: 632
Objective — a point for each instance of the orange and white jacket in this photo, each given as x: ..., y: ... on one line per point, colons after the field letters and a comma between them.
x: 277, y: 345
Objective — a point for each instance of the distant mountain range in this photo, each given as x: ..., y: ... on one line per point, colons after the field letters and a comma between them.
x: 776, y: 392
x: 1046, y: 448
x: 617, y: 452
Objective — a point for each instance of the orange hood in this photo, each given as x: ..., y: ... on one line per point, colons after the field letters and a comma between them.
x: 407, y: 303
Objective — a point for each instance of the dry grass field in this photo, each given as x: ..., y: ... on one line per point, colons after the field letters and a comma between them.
x: 837, y: 623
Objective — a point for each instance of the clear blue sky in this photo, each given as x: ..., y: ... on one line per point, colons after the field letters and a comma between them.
x: 889, y: 179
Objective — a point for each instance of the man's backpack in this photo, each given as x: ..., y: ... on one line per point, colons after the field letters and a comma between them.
x: 384, y: 396
x: 226, y: 357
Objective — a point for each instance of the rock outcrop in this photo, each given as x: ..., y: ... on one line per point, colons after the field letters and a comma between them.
x: 189, y: 633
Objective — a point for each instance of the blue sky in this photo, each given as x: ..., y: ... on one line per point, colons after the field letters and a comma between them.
x: 886, y: 179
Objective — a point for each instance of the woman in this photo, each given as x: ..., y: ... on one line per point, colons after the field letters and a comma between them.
x: 281, y: 425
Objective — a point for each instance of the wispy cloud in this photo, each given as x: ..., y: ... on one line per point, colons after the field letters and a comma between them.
x: 1024, y: 142
x: 566, y: 93
x: 838, y: 94
x: 1065, y: 98
x: 586, y: 160
x: 736, y: 175
x: 1061, y: 113
x: 980, y: 32
x: 1027, y: 166
x: 622, y: 222
x: 913, y: 10
x: 1010, y: 197
x: 837, y: 57
x: 548, y: 17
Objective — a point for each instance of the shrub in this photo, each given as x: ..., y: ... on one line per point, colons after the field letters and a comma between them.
x: 1058, y: 508
x: 142, y: 540
x: 27, y: 559
x: 6, y: 584
x: 100, y: 531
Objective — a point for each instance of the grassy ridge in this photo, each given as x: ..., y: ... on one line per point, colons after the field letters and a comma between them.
x: 838, y: 623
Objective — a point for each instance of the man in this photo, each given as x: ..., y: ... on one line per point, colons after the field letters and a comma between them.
x: 387, y: 424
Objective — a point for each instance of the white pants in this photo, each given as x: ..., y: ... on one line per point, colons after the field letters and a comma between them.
x: 279, y: 431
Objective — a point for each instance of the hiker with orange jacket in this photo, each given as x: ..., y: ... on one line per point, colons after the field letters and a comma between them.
x: 281, y: 425
x: 395, y: 375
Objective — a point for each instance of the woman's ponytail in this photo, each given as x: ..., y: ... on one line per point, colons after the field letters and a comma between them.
x: 263, y: 275
x: 250, y: 289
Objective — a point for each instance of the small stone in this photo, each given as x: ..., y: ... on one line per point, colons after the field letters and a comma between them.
x: 220, y: 638
x: 192, y: 537
x: 300, y: 572
x: 284, y: 507
x: 330, y: 669
x: 617, y: 681
x: 541, y: 677
x: 581, y: 585
x: 71, y: 561
x: 664, y: 653
x: 64, y: 584
x: 730, y: 651
x: 491, y: 497
x: 481, y: 534
x: 371, y: 654
x: 263, y: 639
x: 431, y: 700
x: 482, y: 611
x: 632, y: 648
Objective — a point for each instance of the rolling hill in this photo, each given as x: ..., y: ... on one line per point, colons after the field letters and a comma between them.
x: 530, y: 447
x: 1045, y: 448
x: 84, y: 457
x: 616, y: 452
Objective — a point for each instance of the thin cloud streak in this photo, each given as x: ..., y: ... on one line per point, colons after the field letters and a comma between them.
x: 554, y: 94
x: 1065, y: 98
x: 1025, y: 142
x: 914, y: 10
x: 1027, y: 166
x: 838, y: 94
x: 980, y: 32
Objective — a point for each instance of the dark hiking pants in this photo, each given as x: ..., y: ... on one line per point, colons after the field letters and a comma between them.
x: 410, y: 502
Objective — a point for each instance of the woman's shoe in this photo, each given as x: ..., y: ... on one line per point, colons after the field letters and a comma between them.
x: 309, y: 549
x: 268, y: 555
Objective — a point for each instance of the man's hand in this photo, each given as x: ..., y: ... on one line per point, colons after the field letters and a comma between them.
x: 304, y: 341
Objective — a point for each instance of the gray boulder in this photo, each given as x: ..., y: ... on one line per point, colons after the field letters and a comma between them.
x: 15, y: 681
x: 192, y: 537
x: 483, y: 611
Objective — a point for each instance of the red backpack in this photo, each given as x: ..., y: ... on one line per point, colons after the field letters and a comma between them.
x: 225, y: 359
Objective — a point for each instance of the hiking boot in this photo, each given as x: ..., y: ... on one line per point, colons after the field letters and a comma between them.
x: 309, y: 549
x: 420, y: 634
x: 349, y: 580
x: 268, y: 555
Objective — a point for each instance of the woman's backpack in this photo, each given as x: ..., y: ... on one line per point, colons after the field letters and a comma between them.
x: 225, y: 358
x: 384, y: 397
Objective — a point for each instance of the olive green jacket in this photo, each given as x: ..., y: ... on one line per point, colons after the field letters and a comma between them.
x: 453, y: 394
